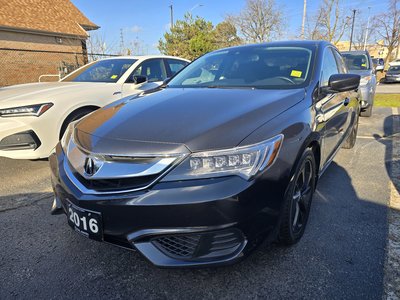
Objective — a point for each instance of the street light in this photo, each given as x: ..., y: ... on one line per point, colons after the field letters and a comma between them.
x: 366, y: 32
x: 196, y: 6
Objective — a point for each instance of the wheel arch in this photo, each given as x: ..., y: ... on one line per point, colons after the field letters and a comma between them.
x: 67, y: 119
x: 313, y: 142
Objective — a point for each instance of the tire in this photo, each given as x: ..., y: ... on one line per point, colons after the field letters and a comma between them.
x: 367, y: 112
x: 351, y: 139
x: 298, y: 198
x: 76, y: 115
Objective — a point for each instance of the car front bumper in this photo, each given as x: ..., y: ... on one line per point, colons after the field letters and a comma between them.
x: 367, y: 93
x: 392, y: 78
x: 180, y: 224
x: 26, y: 137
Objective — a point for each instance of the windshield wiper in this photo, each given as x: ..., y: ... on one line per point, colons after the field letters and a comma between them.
x: 230, y: 87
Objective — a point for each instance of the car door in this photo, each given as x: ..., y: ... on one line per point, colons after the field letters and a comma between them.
x: 332, y: 108
x: 173, y: 66
x: 153, y: 69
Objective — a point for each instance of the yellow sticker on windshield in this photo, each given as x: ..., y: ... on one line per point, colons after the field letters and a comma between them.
x: 363, y: 65
x: 296, y: 73
x: 114, y: 76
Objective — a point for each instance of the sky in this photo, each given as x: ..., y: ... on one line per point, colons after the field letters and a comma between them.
x: 147, y: 20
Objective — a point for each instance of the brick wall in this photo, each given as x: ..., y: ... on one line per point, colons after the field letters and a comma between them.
x: 35, y: 55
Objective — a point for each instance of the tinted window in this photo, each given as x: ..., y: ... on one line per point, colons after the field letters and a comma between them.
x: 153, y: 69
x: 252, y: 67
x: 329, y: 67
x: 394, y: 70
x: 176, y: 65
x: 357, y: 61
x: 109, y: 70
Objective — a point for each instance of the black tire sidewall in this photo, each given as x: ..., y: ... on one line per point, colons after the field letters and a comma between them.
x: 287, y: 235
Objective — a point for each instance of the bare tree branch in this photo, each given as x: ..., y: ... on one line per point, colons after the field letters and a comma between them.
x: 260, y: 21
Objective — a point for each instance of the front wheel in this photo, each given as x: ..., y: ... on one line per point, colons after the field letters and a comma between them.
x: 367, y: 112
x: 298, y: 200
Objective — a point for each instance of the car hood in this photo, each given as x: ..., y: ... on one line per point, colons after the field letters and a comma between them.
x: 34, y: 93
x: 173, y: 119
x: 362, y: 73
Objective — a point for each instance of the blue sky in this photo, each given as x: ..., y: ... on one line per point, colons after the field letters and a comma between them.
x: 147, y: 20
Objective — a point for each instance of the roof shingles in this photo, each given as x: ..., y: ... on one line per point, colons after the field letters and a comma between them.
x: 59, y: 16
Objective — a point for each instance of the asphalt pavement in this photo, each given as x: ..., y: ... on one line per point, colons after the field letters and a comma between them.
x: 388, y: 88
x: 341, y: 255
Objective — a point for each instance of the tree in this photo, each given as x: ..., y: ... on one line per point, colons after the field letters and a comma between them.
x: 97, y: 46
x: 225, y: 35
x: 259, y: 21
x: 188, y: 38
x: 387, y: 26
x: 329, y: 23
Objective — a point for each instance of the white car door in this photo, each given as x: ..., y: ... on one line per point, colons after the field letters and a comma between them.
x: 153, y: 69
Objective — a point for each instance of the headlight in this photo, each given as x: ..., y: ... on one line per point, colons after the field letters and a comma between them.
x: 67, y: 136
x: 244, y: 161
x: 30, y: 110
x: 365, y: 80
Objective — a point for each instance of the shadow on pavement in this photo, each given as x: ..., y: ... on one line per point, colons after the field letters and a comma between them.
x: 340, y: 256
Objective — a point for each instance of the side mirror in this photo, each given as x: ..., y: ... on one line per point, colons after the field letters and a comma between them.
x: 137, y: 79
x: 342, y: 83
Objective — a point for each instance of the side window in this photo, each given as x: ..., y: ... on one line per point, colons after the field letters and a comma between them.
x: 329, y: 66
x: 176, y: 65
x: 153, y: 68
x: 340, y: 62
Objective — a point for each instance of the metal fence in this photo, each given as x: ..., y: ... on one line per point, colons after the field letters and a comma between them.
x: 24, y: 66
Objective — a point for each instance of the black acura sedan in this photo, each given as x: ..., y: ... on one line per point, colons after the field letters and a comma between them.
x: 226, y: 155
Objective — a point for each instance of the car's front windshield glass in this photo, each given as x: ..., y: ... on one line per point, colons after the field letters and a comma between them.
x: 394, y: 70
x: 109, y: 70
x: 356, y: 61
x: 270, y: 67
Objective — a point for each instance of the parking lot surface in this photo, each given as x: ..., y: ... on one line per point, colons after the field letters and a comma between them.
x: 388, y: 88
x: 341, y: 255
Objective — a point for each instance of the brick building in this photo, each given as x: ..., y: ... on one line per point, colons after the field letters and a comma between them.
x: 40, y: 37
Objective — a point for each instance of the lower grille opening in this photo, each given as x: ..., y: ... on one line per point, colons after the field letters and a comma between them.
x: 20, y: 141
x: 200, y: 245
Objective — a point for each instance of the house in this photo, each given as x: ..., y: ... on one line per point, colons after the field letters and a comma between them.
x: 40, y: 37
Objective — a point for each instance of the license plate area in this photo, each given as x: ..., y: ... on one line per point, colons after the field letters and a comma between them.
x: 88, y: 223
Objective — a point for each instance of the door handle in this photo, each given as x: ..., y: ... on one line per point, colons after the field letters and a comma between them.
x: 116, y: 93
x: 346, y: 101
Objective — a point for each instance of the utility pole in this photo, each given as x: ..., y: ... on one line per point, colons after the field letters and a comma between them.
x: 366, y: 32
x: 121, y: 42
x: 352, y: 28
x: 303, y: 23
x: 172, y: 15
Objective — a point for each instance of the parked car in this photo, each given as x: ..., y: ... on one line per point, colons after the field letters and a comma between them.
x: 34, y: 116
x: 359, y: 62
x: 379, y: 64
x: 393, y: 74
x: 228, y: 154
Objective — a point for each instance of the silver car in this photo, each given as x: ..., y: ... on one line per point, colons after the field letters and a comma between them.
x: 360, y: 62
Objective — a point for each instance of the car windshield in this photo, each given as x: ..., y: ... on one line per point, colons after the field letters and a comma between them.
x: 109, y: 70
x: 394, y: 70
x: 356, y: 61
x: 269, y: 67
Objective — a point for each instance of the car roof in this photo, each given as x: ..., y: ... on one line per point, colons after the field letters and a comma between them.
x: 355, y: 52
x: 293, y: 43
x: 143, y: 57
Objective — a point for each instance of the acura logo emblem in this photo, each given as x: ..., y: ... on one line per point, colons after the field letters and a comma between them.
x: 92, y: 165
